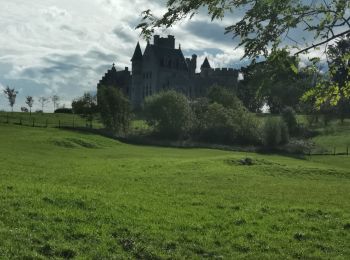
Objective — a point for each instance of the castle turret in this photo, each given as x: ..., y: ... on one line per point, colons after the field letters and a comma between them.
x: 136, y: 85
x: 206, y: 64
x: 205, y: 68
x: 193, y: 65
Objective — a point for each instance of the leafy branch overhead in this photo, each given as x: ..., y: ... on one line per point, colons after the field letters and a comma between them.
x: 265, y: 23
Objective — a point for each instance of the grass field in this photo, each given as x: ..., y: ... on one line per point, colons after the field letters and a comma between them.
x: 72, y: 195
x: 336, y: 135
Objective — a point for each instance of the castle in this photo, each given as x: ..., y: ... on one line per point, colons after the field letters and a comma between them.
x: 164, y: 67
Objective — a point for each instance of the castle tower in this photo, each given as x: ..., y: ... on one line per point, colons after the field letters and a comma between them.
x: 193, y: 65
x: 205, y: 68
x: 136, y: 84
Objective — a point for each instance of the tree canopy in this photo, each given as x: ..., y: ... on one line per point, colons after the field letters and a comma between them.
x: 265, y: 23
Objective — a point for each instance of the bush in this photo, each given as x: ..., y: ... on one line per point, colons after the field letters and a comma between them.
x: 169, y: 113
x: 224, y: 96
x: 289, y: 117
x: 275, y: 132
x: 63, y: 111
x: 24, y: 109
x: 114, y: 108
x: 215, y: 123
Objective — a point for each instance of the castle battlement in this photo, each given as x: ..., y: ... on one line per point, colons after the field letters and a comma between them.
x: 220, y: 72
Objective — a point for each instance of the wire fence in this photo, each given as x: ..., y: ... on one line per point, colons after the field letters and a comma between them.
x: 50, y: 120
x: 333, y: 151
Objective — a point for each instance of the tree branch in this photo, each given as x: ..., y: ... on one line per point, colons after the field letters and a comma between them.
x: 313, y: 46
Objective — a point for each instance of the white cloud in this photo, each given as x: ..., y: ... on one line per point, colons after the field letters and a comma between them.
x: 64, y: 47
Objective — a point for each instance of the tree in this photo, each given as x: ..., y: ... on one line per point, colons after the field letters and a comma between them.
x: 43, y: 101
x: 55, y: 99
x: 264, y: 24
x: 339, y: 64
x: 11, y: 95
x: 115, y: 109
x: 30, y: 102
x: 86, y: 106
x: 278, y: 82
x: 248, y: 88
x: 333, y: 89
x: 169, y: 113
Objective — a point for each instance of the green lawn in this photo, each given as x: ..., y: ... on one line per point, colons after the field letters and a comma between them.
x: 71, y: 195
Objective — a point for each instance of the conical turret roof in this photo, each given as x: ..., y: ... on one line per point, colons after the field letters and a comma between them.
x: 137, y: 54
x: 206, y: 64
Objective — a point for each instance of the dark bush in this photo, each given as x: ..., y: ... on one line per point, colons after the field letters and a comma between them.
x: 169, y: 113
x: 275, y: 132
x: 290, y: 118
x: 217, y: 124
x: 63, y: 111
x: 24, y: 109
x: 224, y: 96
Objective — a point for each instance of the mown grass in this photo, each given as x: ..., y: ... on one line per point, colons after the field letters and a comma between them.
x: 70, y: 195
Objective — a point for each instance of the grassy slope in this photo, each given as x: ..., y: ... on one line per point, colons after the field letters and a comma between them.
x: 65, y: 194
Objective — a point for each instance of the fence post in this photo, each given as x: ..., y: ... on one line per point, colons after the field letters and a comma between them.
x: 47, y: 123
x: 59, y: 123
x: 334, y: 151
x: 20, y: 120
x: 7, y: 118
x: 33, y: 122
x: 73, y: 122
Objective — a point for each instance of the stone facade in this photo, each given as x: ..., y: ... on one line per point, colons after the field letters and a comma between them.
x: 164, y: 67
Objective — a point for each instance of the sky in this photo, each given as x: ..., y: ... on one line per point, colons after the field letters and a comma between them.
x: 51, y: 47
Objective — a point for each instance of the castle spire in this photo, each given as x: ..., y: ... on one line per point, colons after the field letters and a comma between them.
x: 206, y: 64
x: 138, y: 53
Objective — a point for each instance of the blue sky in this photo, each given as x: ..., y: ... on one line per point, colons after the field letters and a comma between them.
x: 64, y: 47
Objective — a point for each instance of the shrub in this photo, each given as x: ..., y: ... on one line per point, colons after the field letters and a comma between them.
x: 215, y: 123
x: 275, y: 132
x: 63, y: 110
x: 224, y: 96
x: 114, y: 108
x: 169, y: 113
x: 24, y: 109
x: 289, y: 117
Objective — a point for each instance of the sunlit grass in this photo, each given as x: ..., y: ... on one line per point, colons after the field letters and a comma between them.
x: 65, y: 194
